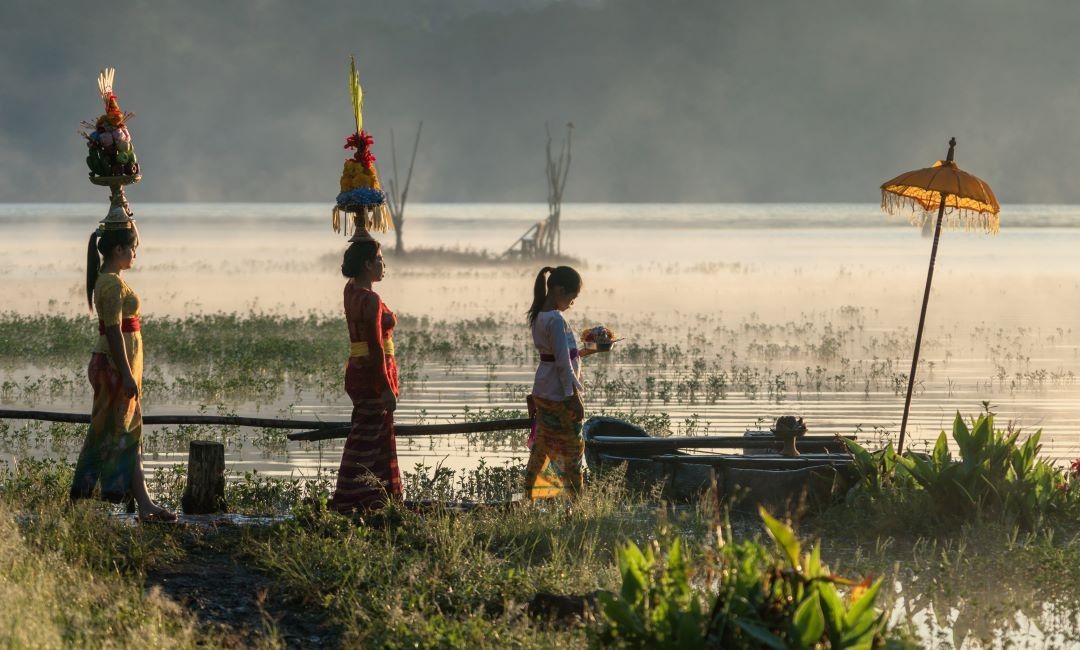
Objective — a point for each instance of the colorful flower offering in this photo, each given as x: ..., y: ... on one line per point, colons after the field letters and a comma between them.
x: 111, y: 152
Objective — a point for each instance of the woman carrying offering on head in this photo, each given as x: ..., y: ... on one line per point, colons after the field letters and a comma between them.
x: 369, y: 474
x: 555, y: 462
x: 111, y: 456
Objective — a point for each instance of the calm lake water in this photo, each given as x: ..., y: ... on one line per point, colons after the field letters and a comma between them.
x: 800, y: 294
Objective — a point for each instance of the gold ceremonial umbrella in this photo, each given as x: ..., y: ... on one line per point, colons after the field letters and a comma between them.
x: 970, y: 203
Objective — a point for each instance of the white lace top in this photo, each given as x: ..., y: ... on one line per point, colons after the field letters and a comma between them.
x: 559, y: 372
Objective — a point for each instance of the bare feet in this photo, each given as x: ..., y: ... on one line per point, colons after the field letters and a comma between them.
x: 156, y: 514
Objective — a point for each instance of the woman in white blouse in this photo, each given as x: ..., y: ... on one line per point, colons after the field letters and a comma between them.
x: 555, y: 463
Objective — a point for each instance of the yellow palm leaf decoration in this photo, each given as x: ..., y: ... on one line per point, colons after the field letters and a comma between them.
x: 356, y: 93
x: 368, y: 210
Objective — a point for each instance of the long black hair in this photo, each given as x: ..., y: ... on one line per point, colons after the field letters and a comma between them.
x: 100, y: 247
x: 356, y: 257
x: 560, y: 276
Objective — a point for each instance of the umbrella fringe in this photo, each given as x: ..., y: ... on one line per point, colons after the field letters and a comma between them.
x: 953, y: 219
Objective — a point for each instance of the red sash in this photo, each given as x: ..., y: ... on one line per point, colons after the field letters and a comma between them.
x: 127, y: 325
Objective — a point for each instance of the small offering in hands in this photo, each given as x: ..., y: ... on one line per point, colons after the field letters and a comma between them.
x: 598, y: 338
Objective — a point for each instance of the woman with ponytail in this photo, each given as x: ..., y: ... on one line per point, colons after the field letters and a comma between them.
x: 111, y: 456
x: 555, y: 462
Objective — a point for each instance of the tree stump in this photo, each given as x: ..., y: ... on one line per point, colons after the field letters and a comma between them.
x: 205, y: 491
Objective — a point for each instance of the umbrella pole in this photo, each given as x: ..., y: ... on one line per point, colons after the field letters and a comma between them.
x: 922, y: 322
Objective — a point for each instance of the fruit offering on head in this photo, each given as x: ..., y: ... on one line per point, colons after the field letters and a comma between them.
x: 359, y: 181
x: 361, y: 199
x: 109, y: 141
x: 359, y: 171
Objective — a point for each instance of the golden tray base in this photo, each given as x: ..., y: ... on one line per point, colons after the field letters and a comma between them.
x: 110, y: 181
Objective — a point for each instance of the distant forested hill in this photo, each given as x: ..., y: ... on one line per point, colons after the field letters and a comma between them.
x: 684, y: 100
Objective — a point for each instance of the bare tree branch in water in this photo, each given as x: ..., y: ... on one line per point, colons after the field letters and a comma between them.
x: 544, y: 238
x: 399, y: 194
x: 557, y: 172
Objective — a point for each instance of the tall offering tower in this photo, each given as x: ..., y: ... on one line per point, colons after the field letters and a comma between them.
x: 361, y: 200
x: 111, y: 157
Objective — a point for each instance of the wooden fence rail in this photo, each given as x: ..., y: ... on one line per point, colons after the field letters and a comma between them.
x: 315, y: 429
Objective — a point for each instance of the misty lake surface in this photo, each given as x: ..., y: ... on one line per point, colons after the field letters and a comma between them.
x: 802, y: 309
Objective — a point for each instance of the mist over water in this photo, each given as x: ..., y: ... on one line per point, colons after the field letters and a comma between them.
x: 800, y: 308
x: 726, y: 160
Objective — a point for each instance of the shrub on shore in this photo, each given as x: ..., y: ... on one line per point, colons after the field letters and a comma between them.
x: 747, y: 595
x: 995, y: 478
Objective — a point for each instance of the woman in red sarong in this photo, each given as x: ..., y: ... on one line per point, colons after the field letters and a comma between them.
x: 369, y: 475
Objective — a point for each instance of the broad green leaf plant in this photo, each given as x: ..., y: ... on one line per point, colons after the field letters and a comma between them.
x: 772, y: 597
x: 995, y: 477
x: 656, y: 607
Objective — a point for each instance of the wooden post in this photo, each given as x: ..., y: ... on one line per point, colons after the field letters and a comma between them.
x: 205, y: 492
x: 922, y: 313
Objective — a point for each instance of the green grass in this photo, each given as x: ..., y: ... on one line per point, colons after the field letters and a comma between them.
x: 447, y: 578
x: 70, y: 576
x: 452, y: 579
x: 52, y: 596
x: 441, y: 578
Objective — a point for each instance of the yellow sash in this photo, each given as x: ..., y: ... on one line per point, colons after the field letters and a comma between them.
x: 360, y: 348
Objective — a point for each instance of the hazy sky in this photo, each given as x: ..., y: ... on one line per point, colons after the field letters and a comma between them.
x: 678, y: 101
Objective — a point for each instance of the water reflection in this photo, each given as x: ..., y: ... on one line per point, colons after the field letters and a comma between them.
x: 749, y: 312
x: 986, y: 620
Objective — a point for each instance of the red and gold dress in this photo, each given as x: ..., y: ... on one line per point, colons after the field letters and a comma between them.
x: 110, y: 454
x: 369, y: 474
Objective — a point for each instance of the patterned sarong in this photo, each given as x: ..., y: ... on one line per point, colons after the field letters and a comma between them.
x: 369, y: 472
x: 111, y: 451
x: 555, y: 462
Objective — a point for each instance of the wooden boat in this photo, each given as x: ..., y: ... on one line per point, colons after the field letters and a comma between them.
x: 679, y: 471
x: 672, y: 465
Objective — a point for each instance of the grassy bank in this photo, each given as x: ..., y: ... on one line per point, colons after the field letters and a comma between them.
x: 69, y: 577
x: 439, y: 578
x: 448, y: 578
x: 442, y: 578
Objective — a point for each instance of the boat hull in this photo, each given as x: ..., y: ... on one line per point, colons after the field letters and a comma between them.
x: 744, y: 481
